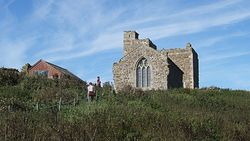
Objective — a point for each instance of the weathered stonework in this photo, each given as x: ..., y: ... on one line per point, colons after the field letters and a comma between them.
x: 170, y: 68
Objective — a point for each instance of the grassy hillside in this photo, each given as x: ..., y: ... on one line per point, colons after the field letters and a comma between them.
x: 179, y: 114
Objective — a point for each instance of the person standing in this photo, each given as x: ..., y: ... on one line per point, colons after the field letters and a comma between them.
x: 91, y: 92
x: 98, y: 81
x: 99, y: 91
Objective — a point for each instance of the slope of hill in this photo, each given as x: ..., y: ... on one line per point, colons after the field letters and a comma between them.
x: 179, y: 114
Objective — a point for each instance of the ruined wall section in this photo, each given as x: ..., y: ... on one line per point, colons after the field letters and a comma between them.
x: 124, y: 72
x: 195, y: 68
x: 131, y: 41
x: 183, y: 58
x: 175, y: 76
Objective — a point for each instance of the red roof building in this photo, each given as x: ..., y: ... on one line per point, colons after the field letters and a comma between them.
x: 50, y: 70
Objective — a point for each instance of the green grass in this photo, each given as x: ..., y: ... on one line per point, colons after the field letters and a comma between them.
x: 179, y: 114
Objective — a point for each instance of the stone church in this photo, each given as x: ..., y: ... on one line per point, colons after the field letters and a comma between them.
x: 143, y: 66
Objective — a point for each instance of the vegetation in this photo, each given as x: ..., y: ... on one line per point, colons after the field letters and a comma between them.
x: 177, y: 114
x: 8, y: 77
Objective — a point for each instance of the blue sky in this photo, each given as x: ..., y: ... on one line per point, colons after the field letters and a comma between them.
x: 85, y: 36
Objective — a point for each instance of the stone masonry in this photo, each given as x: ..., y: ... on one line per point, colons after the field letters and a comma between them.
x: 165, y: 69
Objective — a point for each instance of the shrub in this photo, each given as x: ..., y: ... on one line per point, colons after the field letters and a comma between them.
x: 37, y: 83
x: 14, y: 98
x: 9, y: 77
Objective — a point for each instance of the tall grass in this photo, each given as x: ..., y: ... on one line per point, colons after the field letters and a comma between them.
x: 179, y: 114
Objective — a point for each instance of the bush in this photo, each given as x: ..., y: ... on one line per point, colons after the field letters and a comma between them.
x: 14, y: 98
x: 9, y: 77
x: 37, y: 82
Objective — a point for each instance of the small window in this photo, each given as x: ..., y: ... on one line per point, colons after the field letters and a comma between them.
x: 41, y: 73
x: 55, y: 76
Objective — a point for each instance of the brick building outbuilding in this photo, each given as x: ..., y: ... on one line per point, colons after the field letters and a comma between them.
x: 50, y: 70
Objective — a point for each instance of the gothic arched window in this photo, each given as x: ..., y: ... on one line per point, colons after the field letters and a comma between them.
x: 143, y: 74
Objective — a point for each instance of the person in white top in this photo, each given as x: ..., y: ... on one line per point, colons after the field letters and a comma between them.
x: 91, y: 92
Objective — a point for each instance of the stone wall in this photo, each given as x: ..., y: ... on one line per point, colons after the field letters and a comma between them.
x: 175, y: 76
x: 196, y: 69
x: 131, y: 41
x: 187, y: 60
x: 124, y: 72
